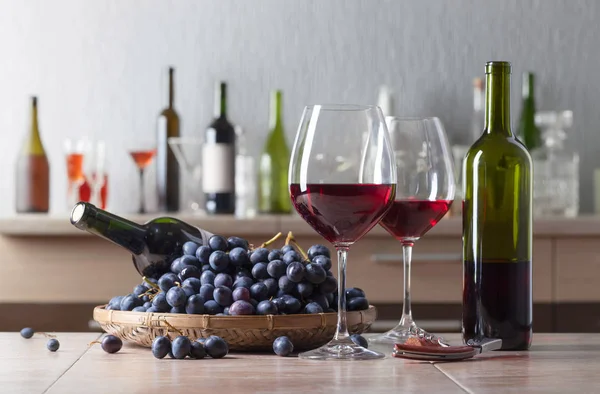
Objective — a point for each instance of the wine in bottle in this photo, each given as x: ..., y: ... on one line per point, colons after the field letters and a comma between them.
x: 33, y: 171
x: 497, y: 225
x: 167, y: 169
x: 153, y: 245
x: 273, y: 194
x: 218, y: 159
x: 528, y: 131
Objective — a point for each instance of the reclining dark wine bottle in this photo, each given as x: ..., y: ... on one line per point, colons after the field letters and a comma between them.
x: 153, y: 245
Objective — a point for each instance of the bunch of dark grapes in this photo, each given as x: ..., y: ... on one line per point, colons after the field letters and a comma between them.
x: 228, y: 277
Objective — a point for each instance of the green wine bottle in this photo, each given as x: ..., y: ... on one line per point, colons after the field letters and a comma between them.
x: 32, y: 170
x: 273, y: 194
x: 497, y: 225
x: 528, y: 132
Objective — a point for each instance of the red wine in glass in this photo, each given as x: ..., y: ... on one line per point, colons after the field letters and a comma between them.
x: 341, y: 213
x: 413, y: 218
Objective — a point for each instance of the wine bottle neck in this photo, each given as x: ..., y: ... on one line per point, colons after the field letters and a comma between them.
x: 221, y: 100
x: 528, y: 90
x: 116, y: 229
x: 275, y: 117
x: 171, y: 87
x: 35, y: 142
x: 497, y: 99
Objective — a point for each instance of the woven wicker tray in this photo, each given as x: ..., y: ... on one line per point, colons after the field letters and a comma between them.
x: 243, y: 333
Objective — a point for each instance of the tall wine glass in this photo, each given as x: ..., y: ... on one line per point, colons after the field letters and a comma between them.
x: 143, y: 155
x: 424, y: 193
x: 341, y: 185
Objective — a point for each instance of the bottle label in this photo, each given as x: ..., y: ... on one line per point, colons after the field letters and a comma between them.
x: 218, y: 168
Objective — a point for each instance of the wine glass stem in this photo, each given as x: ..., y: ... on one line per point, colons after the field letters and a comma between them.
x: 407, y: 259
x: 142, y: 202
x: 342, y: 326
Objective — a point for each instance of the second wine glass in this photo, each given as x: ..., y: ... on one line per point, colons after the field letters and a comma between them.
x: 142, y: 155
x: 424, y: 193
x: 341, y: 184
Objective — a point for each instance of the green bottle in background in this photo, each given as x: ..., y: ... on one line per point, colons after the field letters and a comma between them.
x: 497, y: 225
x: 528, y: 132
x: 273, y: 194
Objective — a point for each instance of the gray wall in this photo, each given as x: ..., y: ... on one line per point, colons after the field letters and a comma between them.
x: 96, y: 67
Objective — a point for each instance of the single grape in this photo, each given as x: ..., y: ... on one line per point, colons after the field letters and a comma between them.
x: 279, y: 304
x: 223, y: 296
x: 194, y: 283
x: 27, y: 332
x: 292, y: 305
x: 189, y: 248
x: 259, y: 255
x: 151, y: 280
x: 203, y: 254
x: 241, y: 307
x: 291, y: 256
x: 145, y: 298
x: 129, y: 302
x: 189, y: 271
x: 295, y: 271
x: 285, y: 284
x: 147, y: 304
x: 281, y: 293
x: 153, y: 309
x: 190, y: 261
x: 283, y: 347
x: 315, y: 273
x: 206, y: 267
x: 212, y: 308
x: 238, y: 257
x: 139, y: 309
x: 320, y: 299
x: 178, y: 309
x: 275, y: 254
x: 304, y: 289
x: 358, y: 304
x: 318, y: 250
x: 259, y: 271
x: 276, y: 269
x: 206, y: 291
x: 245, y: 282
x: 53, y: 344
x: 241, y: 294
x: 181, y: 347
x: 223, y: 280
x: 194, y: 305
x: 115, y: 303
x: 259, y: 291
x: 266, y: 307
x: 323, y: 261
x: 359, y: 340
x: 167, y: 281
x: 242, y: 273
x: 216, y: 242
x: 207, y: 278
x: 176, y: 266
x: 160, y: 302
x: 161, y: 346
x: 139, y: 290
x: 237, y: 242
x: 287, y: 248
x: 253, y: 302
x: 189, y: 291
x: 216, y: 347
x: 272, y: 286
x: 219, y: 261
x: 226, y: 310
x: 176, y: 296
x: 111, y: 344
x: 354, y: 292
x: 313, y: 307
x: 330, y: 298
x: 197, y: 351
x: 328, y: 286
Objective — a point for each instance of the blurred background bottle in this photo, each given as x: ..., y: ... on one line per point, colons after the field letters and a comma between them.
x: 478, y: 114
x: 529, y: 134
x: 245, y: 178
x: 218, y: 159
x: 33, y: 172
x: 273, y: 193
x: 556, y: 175
x: 167, y: 169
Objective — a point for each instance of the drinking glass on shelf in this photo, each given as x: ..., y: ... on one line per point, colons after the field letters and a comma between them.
x: 424, y: 193
x: 188, y: 152
x: 75, y: 150
x: 95, y: 184
x: 341, y: 185
x: 142, y: 155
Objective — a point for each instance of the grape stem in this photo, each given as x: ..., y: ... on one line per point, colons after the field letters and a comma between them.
x: 269, y: 242
x: 93, y: 343
x: 153, y: 285
x: 290, y: 239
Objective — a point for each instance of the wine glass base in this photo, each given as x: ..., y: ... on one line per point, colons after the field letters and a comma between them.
x: 341, y: 350
x: 401, y: 334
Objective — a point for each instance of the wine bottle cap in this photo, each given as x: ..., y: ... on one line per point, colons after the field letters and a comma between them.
x: 497, y: 67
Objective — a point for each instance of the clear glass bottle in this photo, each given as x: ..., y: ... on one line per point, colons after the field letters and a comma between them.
x: 556, y: 167
x: 245, y: 174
